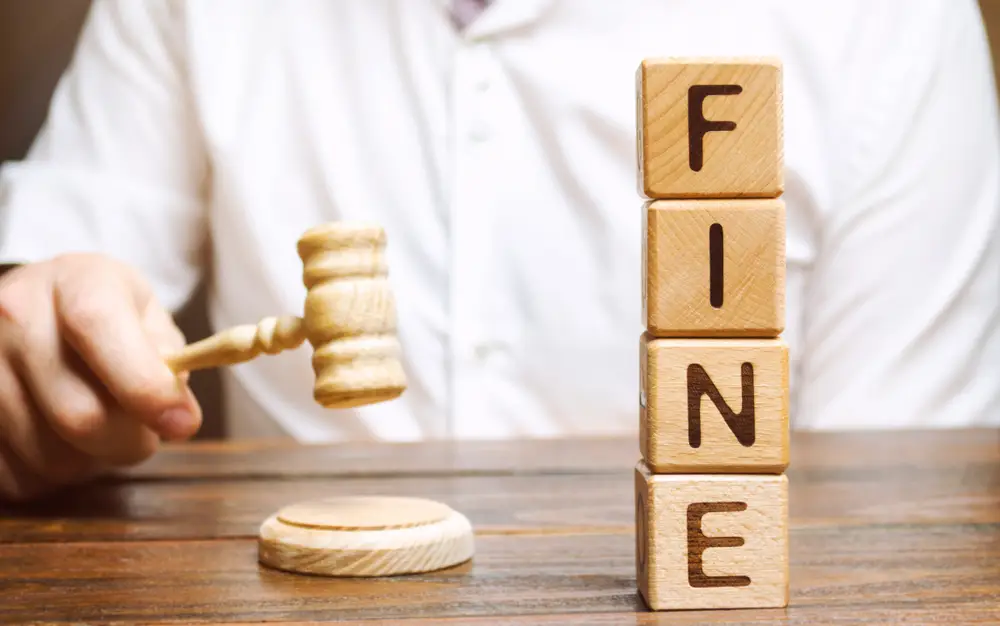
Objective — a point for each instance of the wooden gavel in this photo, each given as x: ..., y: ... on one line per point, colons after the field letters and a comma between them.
x: 349, y: 319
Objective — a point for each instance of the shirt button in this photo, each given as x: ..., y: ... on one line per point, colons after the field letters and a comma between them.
x: 479, y: 132
x: 482, y: 84
x: 487, y: 349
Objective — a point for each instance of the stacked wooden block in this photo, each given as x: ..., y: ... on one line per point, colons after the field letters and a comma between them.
x: 711, y: 494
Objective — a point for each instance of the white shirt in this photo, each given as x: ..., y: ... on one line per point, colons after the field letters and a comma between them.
x: 501, y: 161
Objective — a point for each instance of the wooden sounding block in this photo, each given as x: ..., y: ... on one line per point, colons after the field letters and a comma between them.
x: 349, y: 319
x: 714, y: 268
x: 714, y: 405
x: 711, y: 542
x: 710, y: 128
x: 365, y: 536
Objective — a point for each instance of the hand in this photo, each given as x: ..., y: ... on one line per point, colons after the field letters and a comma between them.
x: 83, y: 383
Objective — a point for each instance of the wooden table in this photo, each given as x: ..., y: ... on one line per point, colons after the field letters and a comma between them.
x: 893, y: 527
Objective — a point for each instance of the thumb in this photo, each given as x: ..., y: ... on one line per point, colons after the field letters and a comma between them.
x: 167, y: 338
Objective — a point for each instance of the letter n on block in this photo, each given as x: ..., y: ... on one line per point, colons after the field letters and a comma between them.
x: 714, y: 405
x: 711, y: 541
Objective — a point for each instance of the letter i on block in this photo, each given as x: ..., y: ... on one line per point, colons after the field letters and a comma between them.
x: 711, y: 541
x: 714, y: 268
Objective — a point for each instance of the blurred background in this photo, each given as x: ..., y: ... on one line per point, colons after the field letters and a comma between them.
x: 36, y: 42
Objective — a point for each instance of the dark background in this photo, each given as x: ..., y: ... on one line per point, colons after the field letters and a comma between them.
x: 36, y: 42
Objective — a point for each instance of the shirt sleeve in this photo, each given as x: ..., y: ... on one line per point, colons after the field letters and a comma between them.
x: 119, y: 167
x: 901, y: 314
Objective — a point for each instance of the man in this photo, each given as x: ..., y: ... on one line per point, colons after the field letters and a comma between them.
x: 201, y: 139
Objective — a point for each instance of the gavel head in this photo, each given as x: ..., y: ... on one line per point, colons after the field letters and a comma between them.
x: 350, y: 315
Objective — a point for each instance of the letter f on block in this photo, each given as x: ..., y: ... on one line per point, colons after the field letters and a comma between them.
x: 698, y: 126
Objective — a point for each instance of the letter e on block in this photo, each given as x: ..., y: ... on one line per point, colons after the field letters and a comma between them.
x: 714, y: 405
x: 711, y: 541
x: 710, y: 128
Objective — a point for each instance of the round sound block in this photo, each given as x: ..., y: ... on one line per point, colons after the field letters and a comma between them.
x: 365, y: 536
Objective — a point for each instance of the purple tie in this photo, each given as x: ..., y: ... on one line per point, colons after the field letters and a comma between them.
x: 465, y: 11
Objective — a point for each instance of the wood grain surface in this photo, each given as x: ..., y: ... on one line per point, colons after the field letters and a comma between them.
x: 711, y: 541
x: 713, y: 268
x: 251, y: 460
x: 714, y: 406
x: 366, y: 536
x: 885, y: 528
x: 710, y: 127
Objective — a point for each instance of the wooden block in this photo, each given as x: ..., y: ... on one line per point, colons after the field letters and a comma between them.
x: 714, y: 268
x: 714, y: 405
x: 710, y: 128
x: 711, y: 542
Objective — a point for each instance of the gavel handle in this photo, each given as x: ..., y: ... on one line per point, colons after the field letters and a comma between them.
x: 240, y: 344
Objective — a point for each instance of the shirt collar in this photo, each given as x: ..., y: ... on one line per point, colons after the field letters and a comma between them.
x: 503, y: 16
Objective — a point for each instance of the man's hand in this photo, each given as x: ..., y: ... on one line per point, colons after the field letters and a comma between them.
x: 83, y: 383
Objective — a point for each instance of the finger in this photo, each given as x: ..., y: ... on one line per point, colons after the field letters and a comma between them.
x: 162, y: 331
x: 191, y: 418
x: 83, y: 412
x: 34, y: 455
x: 168, y: 338
x: 98, y: 316
x: 71, y: 402
x: 27, y: 395
x: 115, y: 439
